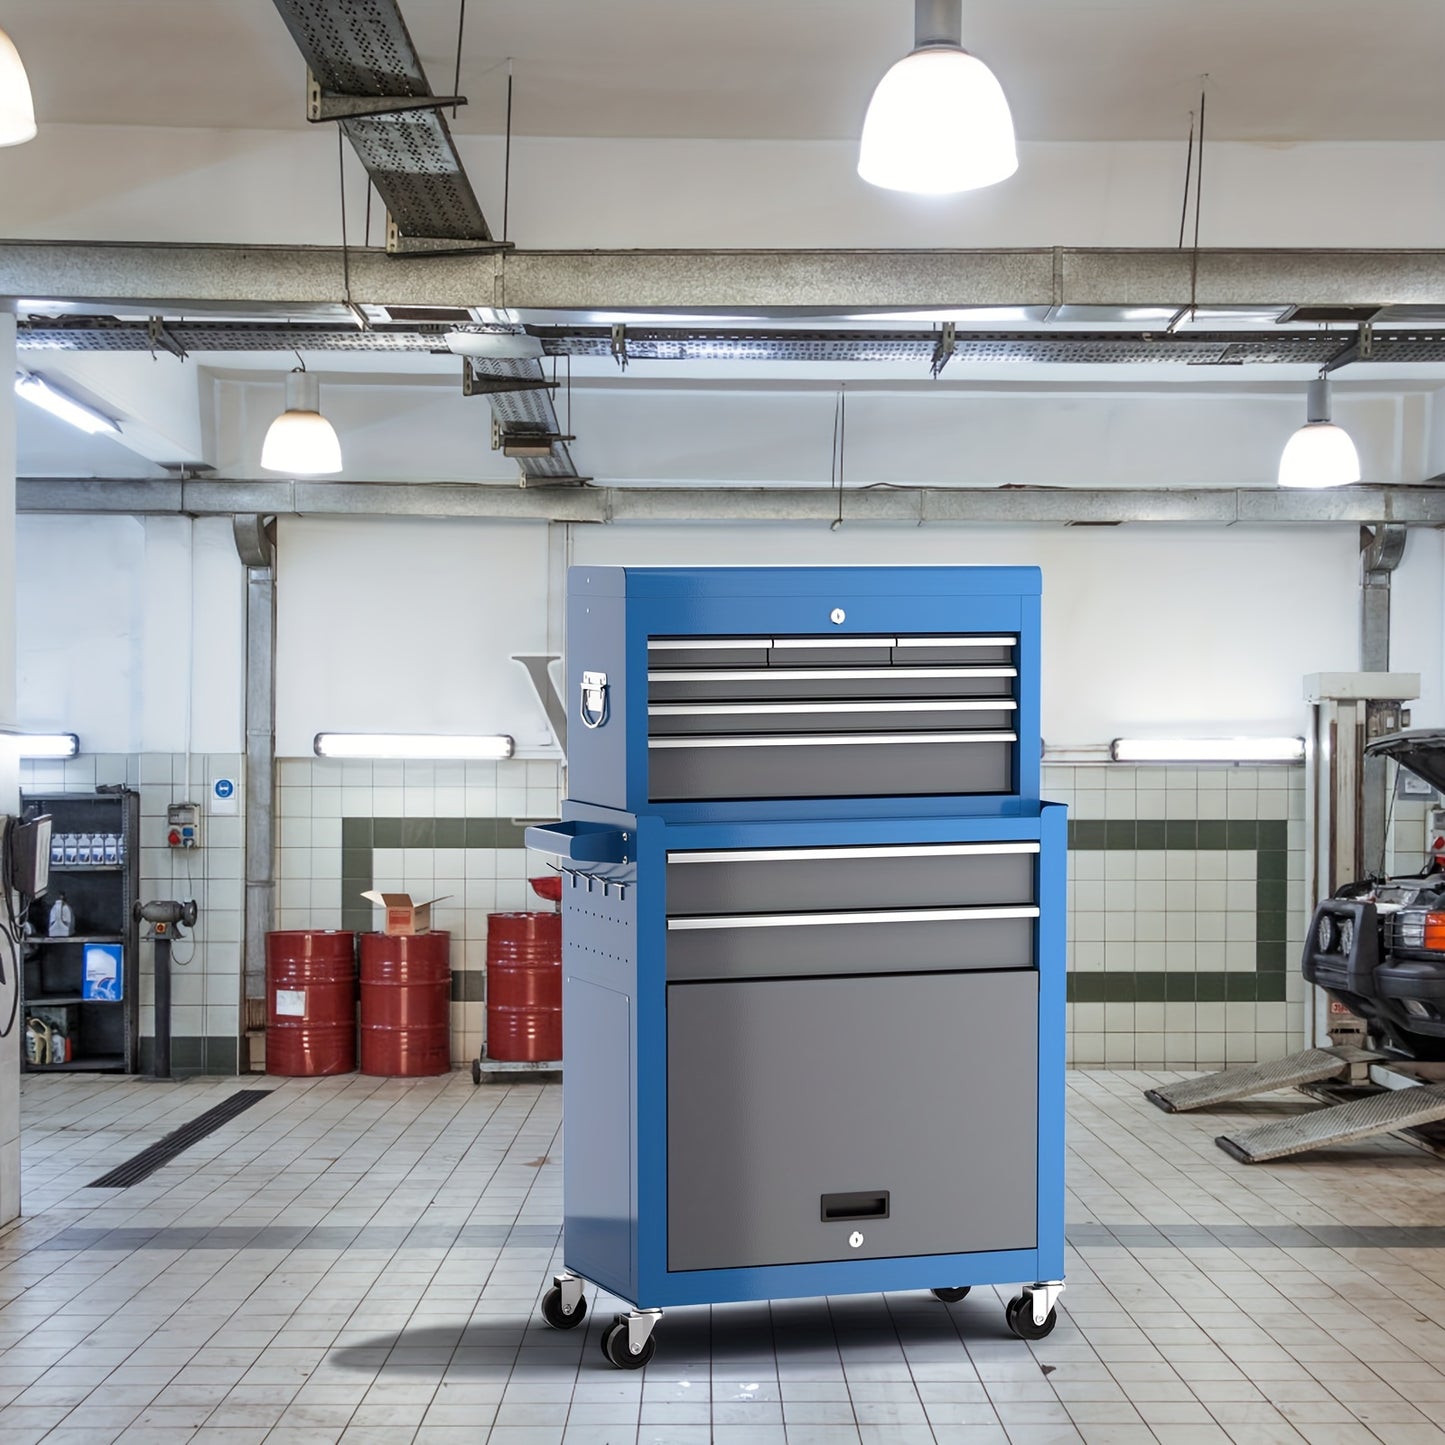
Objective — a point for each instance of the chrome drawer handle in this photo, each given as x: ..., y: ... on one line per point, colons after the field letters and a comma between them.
x: 818, y: 920
x: 810, y: 740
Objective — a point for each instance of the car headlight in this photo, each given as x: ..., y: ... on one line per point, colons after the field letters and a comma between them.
x: 1410, y: 929
x: 1327, y: 933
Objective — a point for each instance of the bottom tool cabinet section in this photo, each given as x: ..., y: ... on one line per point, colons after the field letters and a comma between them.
x: 818, y: 1119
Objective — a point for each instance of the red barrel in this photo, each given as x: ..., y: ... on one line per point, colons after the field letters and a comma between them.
x: 524, y: 986
x: 310, y: 1002
x: 406, y: 1004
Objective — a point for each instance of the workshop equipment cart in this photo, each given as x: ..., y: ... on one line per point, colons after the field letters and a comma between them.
x: 813, y: 942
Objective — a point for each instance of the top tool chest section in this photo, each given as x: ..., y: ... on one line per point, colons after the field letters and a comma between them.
x: 771, y: 691
x: 813, y: 941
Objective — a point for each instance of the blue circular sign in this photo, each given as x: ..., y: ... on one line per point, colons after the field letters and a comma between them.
x: 224, y: 787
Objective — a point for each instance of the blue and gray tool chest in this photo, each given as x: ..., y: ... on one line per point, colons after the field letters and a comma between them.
x: 813, y: 941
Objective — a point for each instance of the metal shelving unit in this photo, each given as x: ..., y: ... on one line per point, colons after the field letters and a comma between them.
x: 104, y: 1033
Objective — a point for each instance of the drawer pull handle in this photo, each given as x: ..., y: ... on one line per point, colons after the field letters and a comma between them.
x: 897, y: 850
x: 870, y: 1204
x: 815, y: 740
x: 812, y: 674
x: 882, y: 704
x: 817, y: 920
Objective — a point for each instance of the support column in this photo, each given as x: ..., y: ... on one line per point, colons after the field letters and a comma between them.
x: 9, y: 764
x: 253, y: 543
x: 1381, y: 549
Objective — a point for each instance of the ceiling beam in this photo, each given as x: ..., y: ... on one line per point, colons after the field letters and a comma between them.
x: 291, y: 279
x: 1105, y: 506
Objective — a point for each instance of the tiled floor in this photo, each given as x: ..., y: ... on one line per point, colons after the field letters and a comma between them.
x: 359, y: 1260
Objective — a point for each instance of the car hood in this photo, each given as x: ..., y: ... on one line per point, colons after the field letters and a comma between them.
x: 1421, y: 750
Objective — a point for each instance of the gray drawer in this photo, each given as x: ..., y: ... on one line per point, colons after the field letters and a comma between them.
x: 784, y: 880
x: 774, y: 945
x: 802, y: 684
x: 815, y: 766
x: 677, y: 719
x: 919, y: 1093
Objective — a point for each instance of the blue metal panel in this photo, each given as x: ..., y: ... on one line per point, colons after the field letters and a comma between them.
x: 615, y: 912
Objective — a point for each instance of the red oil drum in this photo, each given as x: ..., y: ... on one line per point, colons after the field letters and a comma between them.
x: 310, y: 1002
x: 524, y: 986
x: 406, y: 1004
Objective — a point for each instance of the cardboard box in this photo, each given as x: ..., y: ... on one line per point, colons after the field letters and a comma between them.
x: 403, y: 915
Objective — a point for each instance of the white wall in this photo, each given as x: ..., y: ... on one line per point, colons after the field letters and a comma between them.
x: 120, y: 620
x: 1147, y: 630
x: 407, y: 626
x: 141, y: 183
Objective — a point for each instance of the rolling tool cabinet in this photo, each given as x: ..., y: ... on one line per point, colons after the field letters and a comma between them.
x: 813, y: 942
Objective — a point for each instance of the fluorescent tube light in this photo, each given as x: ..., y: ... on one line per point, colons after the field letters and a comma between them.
x: 1207, y: 750
x: 49, y: 397
x: 473, y: 747
x: 47, y: 745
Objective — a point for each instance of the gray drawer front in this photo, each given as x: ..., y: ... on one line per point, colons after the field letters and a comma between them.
x: 781, y: 1092
x: 779, y: 686
x: 848, y: 878
x: 833, y: 770
x: 839, y: 948
x: 681, y: 719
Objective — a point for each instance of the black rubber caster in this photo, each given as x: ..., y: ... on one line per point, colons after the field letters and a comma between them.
x: 477, y: 1072
x: 952, y: 1296
x: 614, y: 1346
x: 1019, y: 1312
x: 556, y: 1316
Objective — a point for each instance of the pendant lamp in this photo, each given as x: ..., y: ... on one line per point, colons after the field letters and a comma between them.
x: 938, y: 122
x: 17, y: 109
x: 301, y: 441
x: 1320, y: 454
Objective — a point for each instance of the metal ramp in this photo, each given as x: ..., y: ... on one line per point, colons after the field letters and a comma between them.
x: 1380, y: 1113
x: 1289, y: 1072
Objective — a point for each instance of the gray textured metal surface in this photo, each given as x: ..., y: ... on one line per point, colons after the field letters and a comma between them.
x: 755, y: 281
x: 1223, y: 506
x: 521, y: 412
x: 1228, y: 1084
x: 887, y: 1088
x: 362, y: 48
x: 897, y: 769
x: 873, y: 948
x: 870, y: 880
x: 1342, y: 1124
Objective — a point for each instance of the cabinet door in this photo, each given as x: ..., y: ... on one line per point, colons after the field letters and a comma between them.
x: 803, y: 1113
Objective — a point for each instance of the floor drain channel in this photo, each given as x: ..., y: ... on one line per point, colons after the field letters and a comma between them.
x: 178, y: 1140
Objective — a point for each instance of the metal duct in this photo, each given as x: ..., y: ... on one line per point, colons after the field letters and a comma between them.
x: 359, y: 51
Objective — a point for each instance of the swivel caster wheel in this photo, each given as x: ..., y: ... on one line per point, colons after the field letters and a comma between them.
x: 554, y: 1310
x: 1019, y: 1313
x: 616, y: 1346
x: 477, y: 1072
x: 952, y: 1296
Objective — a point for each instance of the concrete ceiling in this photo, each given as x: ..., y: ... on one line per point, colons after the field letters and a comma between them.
x: 1281, y: 71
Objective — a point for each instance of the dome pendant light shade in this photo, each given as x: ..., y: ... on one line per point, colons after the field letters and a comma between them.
x: 1320, y: 454
x: 17, y: 110
x: 938, y: 122
x: 301, y: 442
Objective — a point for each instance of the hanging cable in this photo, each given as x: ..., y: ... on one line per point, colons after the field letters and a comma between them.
x: 507, y: 155
x: 840, y: 443
x: 1188, y: 173
x: 457, y: 74
x: 1198, y: 196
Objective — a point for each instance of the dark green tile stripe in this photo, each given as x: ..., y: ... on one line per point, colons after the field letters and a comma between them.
x: 360, y: 837
x: 1268, y: 838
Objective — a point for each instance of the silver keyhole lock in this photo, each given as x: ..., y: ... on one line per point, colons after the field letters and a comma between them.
x: 837, y: 617
x: 855, y: 1240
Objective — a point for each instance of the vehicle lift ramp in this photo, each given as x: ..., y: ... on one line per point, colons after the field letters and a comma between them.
x: 1345, y: 839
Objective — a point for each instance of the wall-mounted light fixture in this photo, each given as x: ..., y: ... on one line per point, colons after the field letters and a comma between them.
x: 17, y: 108
x: 49, y: 397
x: 476, y: 747
x: 301, y: 442
x: 45, y: 745
x: 938, y: 122
x: 1207, y: 750
x: 1320, y: 454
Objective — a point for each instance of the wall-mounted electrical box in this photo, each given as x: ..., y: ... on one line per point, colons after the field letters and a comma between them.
x: 183, y: 825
